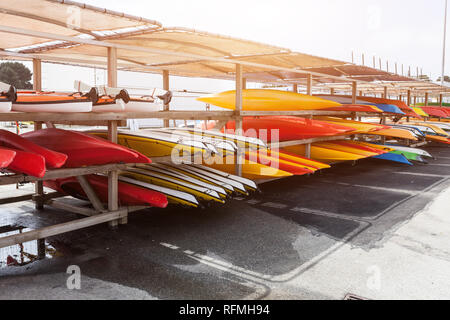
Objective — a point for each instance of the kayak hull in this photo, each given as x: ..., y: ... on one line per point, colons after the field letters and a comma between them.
x: 268, y: 100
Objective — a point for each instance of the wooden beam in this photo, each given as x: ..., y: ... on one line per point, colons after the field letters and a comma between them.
x: 112, y: 67
x: 113, y: 177
x: 426, y: 98
x: 54, y: 230
x: 295, y: 88
x: 90, y: 193
x: 37, y: 75
x: 309, y: 84
x: 244, y: 83
x: 38, y: 185
x: 441, y: 98
x: 238, y: 109
x: 409, y: 98
x: 385, y: 93
x: 354, y: 91
x: 332, y: 91
x: 166, y: 86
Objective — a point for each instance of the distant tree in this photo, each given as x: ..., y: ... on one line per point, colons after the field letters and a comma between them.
x: 446, y: 79
x: 16, y: 74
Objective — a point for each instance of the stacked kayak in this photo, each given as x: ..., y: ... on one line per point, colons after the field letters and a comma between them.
x: 129, y: 193
x: 268, y: 100
x: 51, y: 102
x: 83, y: 149
x: 286, y: 128
x: 7, y: 95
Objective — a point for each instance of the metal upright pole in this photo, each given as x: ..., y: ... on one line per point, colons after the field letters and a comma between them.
x: 444, y: 42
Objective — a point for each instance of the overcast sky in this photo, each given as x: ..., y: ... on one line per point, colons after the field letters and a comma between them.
x: 403, y: 31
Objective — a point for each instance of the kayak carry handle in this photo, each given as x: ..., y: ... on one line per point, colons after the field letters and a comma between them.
x: 92, y: 95
x: 123, y: 94
x: 11, y: 94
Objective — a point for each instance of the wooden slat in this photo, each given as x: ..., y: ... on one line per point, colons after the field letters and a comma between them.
x: 37, y: 75
x: 166, y: 86
x: 61, y: 173
x: 109, y: 116
x: 90, y: 193
x: 60, y: 228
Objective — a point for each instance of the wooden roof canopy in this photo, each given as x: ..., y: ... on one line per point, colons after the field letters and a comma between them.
x: 75, y: 33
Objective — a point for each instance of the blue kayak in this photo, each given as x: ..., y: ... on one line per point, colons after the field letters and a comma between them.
x: 394, y: 157
x: 389, y: 108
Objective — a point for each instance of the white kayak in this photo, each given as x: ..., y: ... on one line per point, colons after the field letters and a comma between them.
x: 53, y: 106
x: 5, y: 106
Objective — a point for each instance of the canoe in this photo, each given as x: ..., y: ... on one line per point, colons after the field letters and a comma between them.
x: 393, y: 157
x: 61, y: 103
x: 173, y: 174
x: 83, y: 149
x: 27, y: 163
x: 156, y: 144
x: 428, y: 128
x: 286, y: 128
x: 435, y: 112
x: 268, y: 100
x: 52, y: 158
x: 273, y: 162
x: 155, y: 178
x: 435, y: 138
x: 6, y: 157
x: 323, y: 154
x: 395, y: 133
x: 130, y: 194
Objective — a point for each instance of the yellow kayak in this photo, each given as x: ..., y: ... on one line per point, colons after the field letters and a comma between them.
x: 324, y: 154
x: 251, y: 170
x: 375, y: 146
x: 346, y: 148
x: 155, y: 144
x: 395, y: 133
x: 299, y: 159
x: 268, y: 100
x: 429, y: 125
x: 420, y: 112
x: 360, y: 127
x: 166, y: 181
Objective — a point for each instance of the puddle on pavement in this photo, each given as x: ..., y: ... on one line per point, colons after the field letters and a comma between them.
x: 24, y: 253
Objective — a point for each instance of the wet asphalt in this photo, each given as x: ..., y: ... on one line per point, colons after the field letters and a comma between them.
x: 234, y: 251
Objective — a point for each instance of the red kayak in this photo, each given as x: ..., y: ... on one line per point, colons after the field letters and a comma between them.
x: 129, y: 194
x: 436, y: 112
x: 28, y: 163
x: 83, y: 149
x: 288, y: 128
x: 11, y: 140
x: 6, y: 157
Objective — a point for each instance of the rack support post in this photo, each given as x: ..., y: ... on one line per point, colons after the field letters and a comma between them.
x: 166, y: 86
x: 238, y: 109
x: 38, y: 185
x: 309, y: 83
x: 426, y: 98
x: 37, y: 75
x: 354, y: 91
